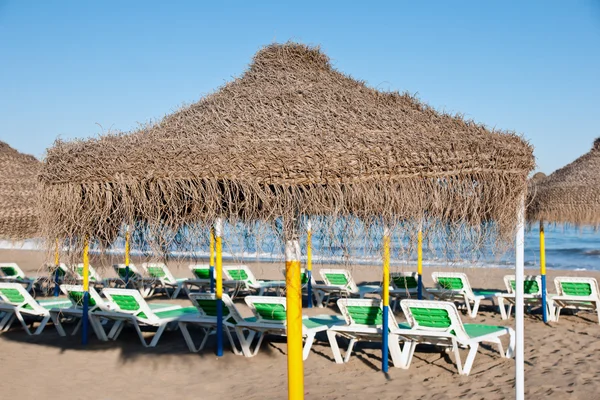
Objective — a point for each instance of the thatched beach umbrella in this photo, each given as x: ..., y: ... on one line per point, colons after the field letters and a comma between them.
x: 290, y: 137
x: 569, y: 195
x: 18, y: 194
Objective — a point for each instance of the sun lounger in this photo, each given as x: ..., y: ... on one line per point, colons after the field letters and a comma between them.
x: 134, y: 280
x: 201, y: 279
x: 363, y: 322
x: 206, y: 303
x: 404, y: 285
x: 270, y: 314
x: 130, y: 307
x: 241, y: 278
x: 438, y: 323
x: 74, y: 294
x: 455, y: 286
x: 17, y: 303
x: 165, y: 278
x: 93, y: 276
x: 532, y: 295
x: 11, y: 272
x: 575, y: 294
x: 339, y: 283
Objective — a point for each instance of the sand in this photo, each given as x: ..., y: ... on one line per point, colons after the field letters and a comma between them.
x: 561, y: 360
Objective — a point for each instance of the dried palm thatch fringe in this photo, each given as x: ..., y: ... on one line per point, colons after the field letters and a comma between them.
x: 18, y: 194
x: 292, y: 136
x: 571, y: 194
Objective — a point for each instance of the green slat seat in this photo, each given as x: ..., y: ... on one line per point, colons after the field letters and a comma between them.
x: 529, y: 286
x: 273, y: 312
x: 450, y: 283
x: 337, y: 279
x: 364, y: 315
x: 9, y: 271
x: 238, y: 274
x: 476, y: 330
x: 576, y: 288
x: 202, y: 273
x: 431, y: 317
x: 408, y: 282
x: 156, y: 272
x: 178, y: 312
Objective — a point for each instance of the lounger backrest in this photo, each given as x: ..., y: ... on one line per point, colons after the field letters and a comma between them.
x: 93, y: 275
x: 200, y: 271
x: 532, y: 284
x: 576, y: 287
x: 129, y: 301
x: 339, y: 277
x: 75, y: 294
x: 121, y: 270
x: 11, y: 270
x: 434, y: 316
x: 303, y: 276
x: 206, y: 303
x: 62, y: 269
x: 364, y: 312
x: 267, y: 308
x: 239, y: 273
x: 404, y: 280
x: 159, y: 271
x: 453, y: 281
x: 15, y: 294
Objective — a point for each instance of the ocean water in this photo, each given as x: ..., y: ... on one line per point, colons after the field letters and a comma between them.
x: 567, y: 248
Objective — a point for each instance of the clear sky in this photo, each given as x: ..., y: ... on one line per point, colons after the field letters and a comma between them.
x: 77, y: 68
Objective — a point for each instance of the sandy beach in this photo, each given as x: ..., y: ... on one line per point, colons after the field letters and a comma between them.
x: 561, y: 361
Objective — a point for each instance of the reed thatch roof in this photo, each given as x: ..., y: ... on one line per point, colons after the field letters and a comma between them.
x: 290, y: 136
x: 18, y: 194
x: 570, y: 194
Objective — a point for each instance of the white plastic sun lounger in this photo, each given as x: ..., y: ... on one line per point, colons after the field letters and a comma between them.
x: 130, y: 307
x: 206, y: 303
x: 439, y: 323
x: 164, y: 278
x: 532, y: 295
x: 270, y: 314
x: 17, y: 303
x: 201, y: 279
x: 241, y: 278
x: 455, y: 286
x: 363, y: 322
x: 135, y: 280
x: 11, y: 272
x: 339, y: 283
x: 575, y: 294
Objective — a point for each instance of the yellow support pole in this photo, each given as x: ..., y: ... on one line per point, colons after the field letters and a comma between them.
x: 309, y: 264
x: 219, y: 284
x: 294, y: 320
x: 212, y: 260
x: 543, y: 270
x: 420, y: 265
x: 127, y: 239
x: 86, y: 295
x: 56, y: 269
x: 386, y: 299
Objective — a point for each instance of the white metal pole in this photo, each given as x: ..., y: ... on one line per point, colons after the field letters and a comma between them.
x: 519, y: 304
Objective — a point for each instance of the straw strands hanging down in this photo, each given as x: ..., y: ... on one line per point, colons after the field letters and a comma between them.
x: 570, y: 194
x: 291, y: 136
x: 18, y: 194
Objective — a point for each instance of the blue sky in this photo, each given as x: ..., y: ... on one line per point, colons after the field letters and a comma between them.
x: 75, y: 69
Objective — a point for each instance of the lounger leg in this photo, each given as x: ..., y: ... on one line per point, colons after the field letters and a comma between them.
x: 349, y: 351
x: 116, y: 329
x: 96, y: 327
x: 186, y: 336
x: 395, y: 351
x: 456, y: 352
x: 510, y: 308
x: 157, y: 335
x: 310, y: 338
x: 473, y: 312
x: 7, y: 321
x: 407, y: 354
x: 205, y: 338
x: 22, y: 321
x: 236, y: 351
x: 177, y: 290
x: 510, y: 352
x: 502, y: 308
x: 43, y: 323
x: 259, y: 343
x: 76, y: 329
x: 335, y: 349
x: 318, y: 298
x: 245, y: 342
x: 57, y: 324
x: 470, y: 358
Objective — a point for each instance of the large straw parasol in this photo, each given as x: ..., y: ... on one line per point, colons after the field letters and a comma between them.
x: 18, y: 201
x: 292, y: 136
x: 570, y: 194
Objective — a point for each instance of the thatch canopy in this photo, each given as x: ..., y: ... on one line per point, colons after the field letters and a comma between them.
x: 291, y: 136
x: 570, y: 194
x: 18, y: 194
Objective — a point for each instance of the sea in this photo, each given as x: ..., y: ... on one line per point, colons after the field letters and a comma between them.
x: 567, y: 248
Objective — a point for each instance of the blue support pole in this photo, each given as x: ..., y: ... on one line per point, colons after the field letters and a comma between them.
x: 126, y: 276
x: 84, y: 318
x: 212, y: 278
x: 56, y: 281
x: 420, y: 287
x: 385, y: 337
x: 219, y: 328
x: 544, y: 304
